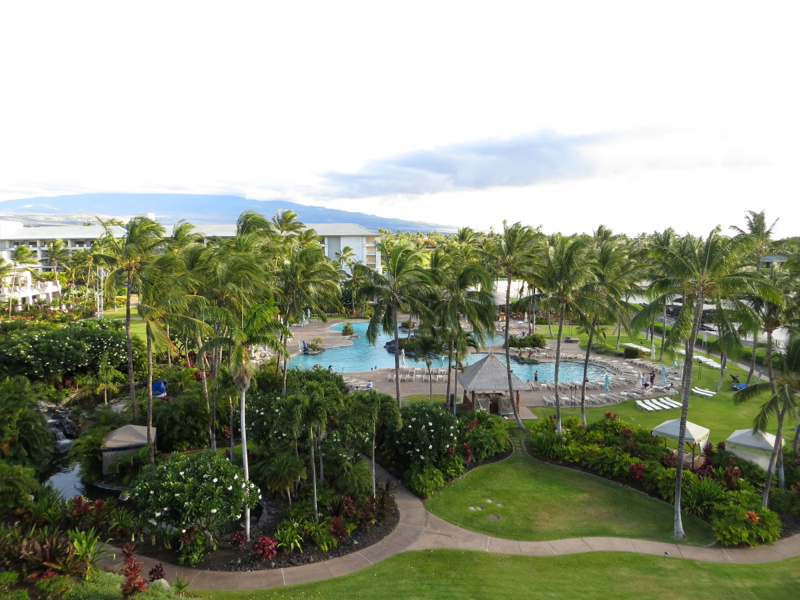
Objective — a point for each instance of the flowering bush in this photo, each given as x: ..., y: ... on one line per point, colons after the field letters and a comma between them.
x: 636, y: 471
x: 424, y: 438
x: 202, y: 490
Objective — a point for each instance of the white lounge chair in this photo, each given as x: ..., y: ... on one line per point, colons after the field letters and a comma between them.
x: 643, y: 406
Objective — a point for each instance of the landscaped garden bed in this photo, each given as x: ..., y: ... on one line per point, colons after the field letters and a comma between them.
x: 724, y: 491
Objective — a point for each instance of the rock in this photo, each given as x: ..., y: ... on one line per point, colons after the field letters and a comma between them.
x: 162, y: 582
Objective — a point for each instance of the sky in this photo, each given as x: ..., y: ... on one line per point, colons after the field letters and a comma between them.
x: 564, y: 115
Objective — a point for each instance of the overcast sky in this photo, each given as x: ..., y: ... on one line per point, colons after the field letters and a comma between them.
x: 637, y: 115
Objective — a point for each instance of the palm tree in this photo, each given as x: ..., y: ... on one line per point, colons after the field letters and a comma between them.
x: 105, y: 379
x: 566, y: 273
x: 427, y: 345
x: 281, y: 473
x: 700, y: 269
x: 760, y: 236
x: 260, y: 326
x: 404, y: 282
x: 373, y: 410
x: 56, y: 254
x: 127, y: 257
x: 513, y: 254
x: 784, y: 400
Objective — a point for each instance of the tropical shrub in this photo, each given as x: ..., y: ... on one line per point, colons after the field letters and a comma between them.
x: 740, y: 520
x: 347, y: 329
x: 528, y: 341
x: 16, y: 484
x: 629, y: 352
x: 485, y: 433
x: 202, y: 490
x: 424, y: 438
x: 423, y: 481
x: 785, y: 501
x: 289, y: 536
x: 545, y: 444
x: 54, y: 587
x: 701, y: 496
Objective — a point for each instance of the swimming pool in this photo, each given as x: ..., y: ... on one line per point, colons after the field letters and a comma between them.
x: 362, y: 357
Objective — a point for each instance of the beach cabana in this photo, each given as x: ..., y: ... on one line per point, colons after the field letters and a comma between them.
x: 488, y: 378
x: 121, y: 441
x: 756, y: 446
x: 695, y: 434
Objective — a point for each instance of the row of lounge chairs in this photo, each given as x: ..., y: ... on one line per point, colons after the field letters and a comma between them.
x: 411, y: 374
x: 654, y: 404
x: 703, y: 392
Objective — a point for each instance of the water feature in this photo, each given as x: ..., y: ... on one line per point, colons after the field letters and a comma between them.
x: 362, y: 356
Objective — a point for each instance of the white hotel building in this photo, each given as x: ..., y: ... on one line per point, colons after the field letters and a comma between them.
x: 333, y: 237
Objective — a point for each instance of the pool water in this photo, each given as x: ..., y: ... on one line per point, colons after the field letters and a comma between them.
x: 361, y: 356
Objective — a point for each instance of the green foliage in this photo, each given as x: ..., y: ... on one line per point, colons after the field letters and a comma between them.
x: 528, y: 341
x: 347, y: 329
x: 485, y: 433
x: 545, y: 444
x: 784, y: 501
x: 183, y: 422
x: 16, y: 484
x: 8, y: 579
x: 289, y: 536
x: 17, y: 595
x: 424, y: 438
x: 88, y: 547
x: 740, y: 520
x: 55, y: 354
x: 127, y: 467
x: 423, y: 481
x: 25, y: 438
x: 55, y: 588
x: 701, y: 496
x: 99, y: 586
x: 202, y: 489
x: 629, y: 352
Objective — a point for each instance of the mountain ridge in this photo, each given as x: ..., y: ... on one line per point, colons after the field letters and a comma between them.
x: 198, y: 209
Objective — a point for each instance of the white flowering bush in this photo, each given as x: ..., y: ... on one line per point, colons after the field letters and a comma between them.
x: 203, y: 490
x: 425, y: 437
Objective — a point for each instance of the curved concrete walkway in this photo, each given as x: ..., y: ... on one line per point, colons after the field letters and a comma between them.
x: 420, y: 530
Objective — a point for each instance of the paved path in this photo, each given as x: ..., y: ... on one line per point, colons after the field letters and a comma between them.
x: 420, y: 530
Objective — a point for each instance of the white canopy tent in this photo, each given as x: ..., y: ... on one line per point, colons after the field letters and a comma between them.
x: 753, y: 446
x: 695, y: 434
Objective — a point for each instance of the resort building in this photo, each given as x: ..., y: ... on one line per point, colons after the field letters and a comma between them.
x: 333, y: 237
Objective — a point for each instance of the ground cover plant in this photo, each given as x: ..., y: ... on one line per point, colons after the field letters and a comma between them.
x: 543, y: 502
x: 724, y: 491
x: 446, y: 574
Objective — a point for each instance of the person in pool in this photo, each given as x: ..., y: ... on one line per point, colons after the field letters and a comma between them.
x: 536, y: 376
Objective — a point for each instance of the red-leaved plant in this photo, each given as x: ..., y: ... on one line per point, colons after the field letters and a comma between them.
x: 157, y: 572
x: 265, y: 548
x: 466, y: 452
x: 238, y: 539
x: 80, y: 507
x: 338, y: 529
x: 636, y: 471
x: 133, y: 583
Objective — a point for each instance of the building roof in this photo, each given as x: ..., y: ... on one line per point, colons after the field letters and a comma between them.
x: 323, y: 229
x: 64, y: 232
x: 489, y: 375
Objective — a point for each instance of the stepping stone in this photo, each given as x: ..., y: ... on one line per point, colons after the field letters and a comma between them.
x: 495, y: 517
x: 472, y: 508
x: 489, y: 501
x: 499, y: 505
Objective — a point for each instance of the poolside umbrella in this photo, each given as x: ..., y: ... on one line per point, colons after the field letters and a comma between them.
x: 606, y: 386
x: 403, y: 355
x: 757, y: 446
x: 674, y: 363
x: 663, y: 372
x: 695, y: 434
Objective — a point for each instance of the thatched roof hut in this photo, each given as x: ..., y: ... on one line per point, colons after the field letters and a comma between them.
x: 489, y: 377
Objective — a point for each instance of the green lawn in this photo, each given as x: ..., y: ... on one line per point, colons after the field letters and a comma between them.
x: 446, y: 574
x: 543, y: 502
x: 137, y: 324
x: 425, y: 398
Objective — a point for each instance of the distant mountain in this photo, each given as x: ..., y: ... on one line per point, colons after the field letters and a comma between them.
x: 195, y: 208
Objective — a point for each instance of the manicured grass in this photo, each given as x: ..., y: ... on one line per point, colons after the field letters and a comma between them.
x: 137, y: 324
x: 543, y: 502
x: 426, y: 398
x: 446, y: 574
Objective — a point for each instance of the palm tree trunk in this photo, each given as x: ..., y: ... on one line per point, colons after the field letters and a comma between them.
x: 722, y: 362
x: 663, y: 333
x: 230, y: 426
x: 396, y: 354
x: 212, y: 408
x: 508, y: 353
x: 374, y: 435
x: 558, y: 366
x: 245, y: 466
x: 753, y: 357
x: 586, y: 372
x: 772, y: 459
x: 313, y: 472
x: 169, y: 351
x: 129, y: 345
x: 780, y: 415
x: 686, y: 387
x: 321, y: 466
x: 449, y: 372
x: 430, y: 384
x: 149, y: 338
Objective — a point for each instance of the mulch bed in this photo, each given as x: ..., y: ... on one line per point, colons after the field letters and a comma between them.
x: 228, y: 558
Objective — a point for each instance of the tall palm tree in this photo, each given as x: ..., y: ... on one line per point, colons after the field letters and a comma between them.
x: 513, y: 254
x: 784, y: 399
x: 373, y: 410
x: 127, y: 256
x: 565, y: 271
x: 260, y: 326
x: 404, y: 282
x: 56, y: 254
x: 698, y: 269
x: 760, y: 236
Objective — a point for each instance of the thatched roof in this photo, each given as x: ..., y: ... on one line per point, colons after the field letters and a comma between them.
x: 489, y: 375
